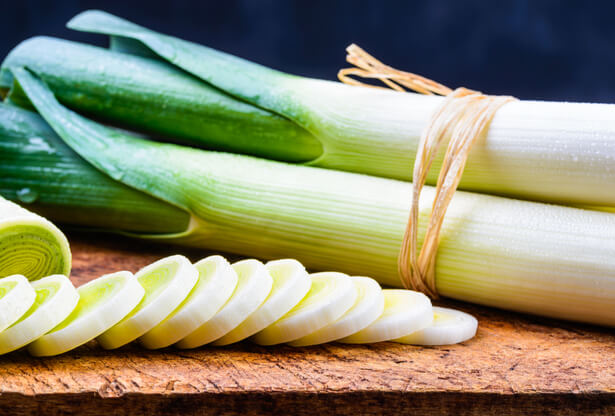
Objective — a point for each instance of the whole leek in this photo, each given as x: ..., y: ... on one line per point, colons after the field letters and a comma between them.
x: 548, y: 151
x: 541, y: 259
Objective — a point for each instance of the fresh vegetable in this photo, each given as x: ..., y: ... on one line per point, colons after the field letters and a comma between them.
x: 103, y: 302
x: 167, y: 283
x: 540, y: 259
x: 39, y: 170
x: 366, y: 309
x: 449, y: 326
x: 549, y: 151
x: 404, y: 312
x: 56, y: 298
x: 253, y: 286
x: 16, y: 297
x: 331, y: 295
x: 300, y: 309
x: 29, y: 244
x: 290, y: 284
x: 156, y: 97
x: 217, y: 281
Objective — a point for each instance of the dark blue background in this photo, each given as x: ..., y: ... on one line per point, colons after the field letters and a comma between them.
x: 562, y: 50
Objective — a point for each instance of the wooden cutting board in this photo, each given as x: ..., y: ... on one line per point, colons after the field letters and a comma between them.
x: 516, y: 365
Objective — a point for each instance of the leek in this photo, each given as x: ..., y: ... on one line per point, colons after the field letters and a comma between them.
x: 549, y: 151
x: 217, y: 281
x: 103, y: 302
x: 16, y: 297
x: 29, y: 244
x: 449, y: 326
x: 56, y: 298
x: 536, y: 258
x: 39, y: 170
x: 330, y: 296
x: 156, y: 97
x: 367, y: 308
x: 405, y: 312
x: 167, y: 283
x: 253, y: 286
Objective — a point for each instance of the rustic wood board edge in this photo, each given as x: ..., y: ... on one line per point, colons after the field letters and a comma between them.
x: 299, y: 404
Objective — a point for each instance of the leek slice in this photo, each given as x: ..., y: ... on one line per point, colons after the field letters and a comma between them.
x: 103, y: 302
x: 367, y: 308
x: 405, y: 312
x: 167, y: 283
x: 449, y: 326
x: 217, y: 281
x: 56, y: 298
x: 290, y: 284
x: 331, y: 295
x: 30, y: 245
x: 16, y: 297
x: 253, y: 286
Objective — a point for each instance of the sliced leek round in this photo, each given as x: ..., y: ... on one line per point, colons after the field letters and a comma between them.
x: 405, y: 312
x: 56, y: 297
x: 331, y: 295
x: 167, y: 283
x: 103, y: 302
x: 16, y: 297
x: 253, y: 286
x: 217, y: 281
x: 449, y: 326
x: 367, y: 308
x: 291, y: 283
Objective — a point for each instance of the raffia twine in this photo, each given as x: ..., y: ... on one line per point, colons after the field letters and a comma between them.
x: 461, y: 117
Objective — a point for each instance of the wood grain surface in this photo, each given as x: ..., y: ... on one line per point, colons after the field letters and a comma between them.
x: 516, y: 365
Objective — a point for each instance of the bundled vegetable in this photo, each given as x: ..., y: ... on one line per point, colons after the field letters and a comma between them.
x: 172, y: 301
x: 548, y: 151
x: 29, y: 244
x: 524, y: 256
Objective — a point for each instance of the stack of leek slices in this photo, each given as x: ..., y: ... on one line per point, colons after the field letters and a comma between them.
x: 175, y: 302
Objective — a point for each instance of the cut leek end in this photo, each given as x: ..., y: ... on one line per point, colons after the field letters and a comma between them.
x: 167, y: 283
x: 56, y: 297
x: 103, y: 302
x: 33, y: 247
x: 449, y: 326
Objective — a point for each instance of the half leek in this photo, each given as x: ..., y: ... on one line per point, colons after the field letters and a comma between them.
x: 29, y: 244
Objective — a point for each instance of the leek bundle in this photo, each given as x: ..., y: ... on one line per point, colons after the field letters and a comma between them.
x: 30, y: 245
x: 541, y: 259
x: 547, y: 151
